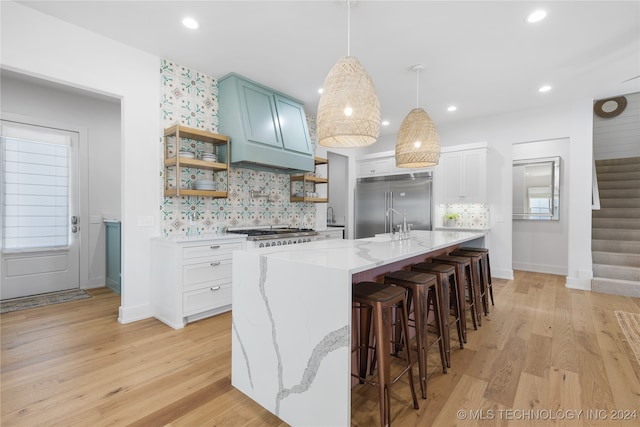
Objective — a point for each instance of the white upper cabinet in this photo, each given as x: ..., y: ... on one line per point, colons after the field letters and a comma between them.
x: 381, y: 164
x: 373, y: 167
x: 461, y: 176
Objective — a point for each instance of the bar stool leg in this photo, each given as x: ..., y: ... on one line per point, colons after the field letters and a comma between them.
x: 381, y: 321
x: 489, y: 281
x: 420, y: 314
x: 365, y: 328
x: 455, y: 291
x: 434, y: 299
x: 472, y: 297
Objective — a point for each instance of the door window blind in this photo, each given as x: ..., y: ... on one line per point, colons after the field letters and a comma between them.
x: 35, y: 189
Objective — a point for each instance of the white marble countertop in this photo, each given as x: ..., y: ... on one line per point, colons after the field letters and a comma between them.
x: 354, y: 256
x: 444, y: 228
x: 292, y: 314
x: 202, y: 237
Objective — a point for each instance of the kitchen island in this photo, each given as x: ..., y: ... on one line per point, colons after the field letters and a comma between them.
x: 291, y: 343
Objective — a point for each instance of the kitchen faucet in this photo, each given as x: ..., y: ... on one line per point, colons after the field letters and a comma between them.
x: 403, y: 229
x: 391, y: 225
x: 331, y: 219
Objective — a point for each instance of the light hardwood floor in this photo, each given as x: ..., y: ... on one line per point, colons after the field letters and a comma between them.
x: 542, y: 348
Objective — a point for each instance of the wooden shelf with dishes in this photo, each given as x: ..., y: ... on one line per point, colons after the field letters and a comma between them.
x: 311, y: 179
x: 175, y: 163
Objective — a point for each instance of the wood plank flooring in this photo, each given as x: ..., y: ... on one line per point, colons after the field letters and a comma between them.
x: 542, y: 348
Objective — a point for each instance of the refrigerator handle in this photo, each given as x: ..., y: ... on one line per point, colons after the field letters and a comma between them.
x: 391, y: 212
x: 386, y: 206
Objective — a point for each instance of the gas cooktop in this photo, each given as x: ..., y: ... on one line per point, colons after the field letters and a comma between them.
x: 274, y: 233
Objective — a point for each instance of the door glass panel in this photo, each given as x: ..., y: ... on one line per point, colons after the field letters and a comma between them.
x: 35, y: 184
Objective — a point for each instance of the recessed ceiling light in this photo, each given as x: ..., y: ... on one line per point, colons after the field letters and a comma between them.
x: 536, y: 16
x: 452, y: 108
x: 190, y: 23
x: 320, y: 90
x: 385, y: 123
x: 545, y: 88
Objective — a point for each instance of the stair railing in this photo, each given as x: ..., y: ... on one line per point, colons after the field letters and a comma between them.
x: 595, y: 194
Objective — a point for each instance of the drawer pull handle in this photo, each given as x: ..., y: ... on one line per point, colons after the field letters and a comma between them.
x: 214, y: 247
x: 214, y: 289
x: 213, y: 264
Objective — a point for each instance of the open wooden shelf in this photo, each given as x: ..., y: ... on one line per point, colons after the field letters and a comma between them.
x: 304, y: 179
x: 177, y: 162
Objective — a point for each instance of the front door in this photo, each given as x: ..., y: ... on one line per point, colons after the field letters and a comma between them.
x: 40, y: 227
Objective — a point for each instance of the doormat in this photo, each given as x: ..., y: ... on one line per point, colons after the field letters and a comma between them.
x: 24, y: 303
x: 630, y: 325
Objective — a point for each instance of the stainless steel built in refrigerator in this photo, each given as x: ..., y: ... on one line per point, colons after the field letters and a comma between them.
x: 377, y: 196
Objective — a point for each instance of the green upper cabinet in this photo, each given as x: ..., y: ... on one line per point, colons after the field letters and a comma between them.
x: 293, y: 125
x: 268, y: 129
x: 260, y: 115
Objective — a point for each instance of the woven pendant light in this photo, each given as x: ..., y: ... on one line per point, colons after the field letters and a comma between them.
x: 418, y: 143
x: 349, y: 110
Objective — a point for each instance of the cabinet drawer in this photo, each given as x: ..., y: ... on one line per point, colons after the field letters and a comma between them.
x: 206, y: 299
x: 206, y: 272
x: 209, y: 249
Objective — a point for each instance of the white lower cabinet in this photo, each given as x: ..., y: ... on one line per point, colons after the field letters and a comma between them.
x: 191, y: 279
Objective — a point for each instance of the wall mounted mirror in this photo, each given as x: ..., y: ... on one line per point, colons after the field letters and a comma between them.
x: 536, y: 189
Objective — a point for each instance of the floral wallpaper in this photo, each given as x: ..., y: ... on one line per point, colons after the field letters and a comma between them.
x: 190, y: 98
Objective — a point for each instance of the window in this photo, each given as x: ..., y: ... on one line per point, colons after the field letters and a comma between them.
x: 35, y: 188
x: 539, y: 202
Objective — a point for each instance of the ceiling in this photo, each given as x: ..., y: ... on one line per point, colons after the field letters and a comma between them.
x: 480, y: 56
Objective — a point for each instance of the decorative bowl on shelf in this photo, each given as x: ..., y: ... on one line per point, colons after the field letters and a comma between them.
x: 204, y: 184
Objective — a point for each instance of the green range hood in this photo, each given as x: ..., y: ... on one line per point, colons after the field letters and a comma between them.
x: 268, y: 129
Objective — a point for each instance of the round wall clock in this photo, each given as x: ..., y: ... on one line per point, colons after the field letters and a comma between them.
x: 610, y: 107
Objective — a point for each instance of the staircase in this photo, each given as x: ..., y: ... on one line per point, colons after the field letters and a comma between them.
x: 615, y: 243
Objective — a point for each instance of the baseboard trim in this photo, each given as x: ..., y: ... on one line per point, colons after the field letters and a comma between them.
x: 576, y: 283
x: 541, y: 268
x: 95, y: 282
x: 133, y: 314
x: 502, y: 274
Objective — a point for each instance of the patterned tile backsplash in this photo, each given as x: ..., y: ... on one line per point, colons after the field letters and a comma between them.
x: 472, y: 215
x: 191, y: 99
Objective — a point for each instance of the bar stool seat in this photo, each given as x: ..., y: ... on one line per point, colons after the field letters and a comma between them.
x: 423, y: 292
x: 487, y: 263
x: 465, y: 287
x: 377, y: 300
x: 445, y: 275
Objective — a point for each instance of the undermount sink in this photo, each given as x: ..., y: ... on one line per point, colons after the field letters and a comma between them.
x: 379, y: 238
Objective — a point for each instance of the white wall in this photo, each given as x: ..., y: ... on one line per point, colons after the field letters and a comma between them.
x: 338, y: 167
x: 572, y: 120
x: 37, y: 44
x: 542, y: 246
x: 100, y: 188
x: 618, y: 137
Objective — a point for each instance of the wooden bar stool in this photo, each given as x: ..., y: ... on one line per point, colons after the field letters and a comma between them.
x: 377, y: 300
x: 419, y: 287
x: 477, y: 275
x: 446, y: 277
x: 465, y: 287
x: 487, y: 263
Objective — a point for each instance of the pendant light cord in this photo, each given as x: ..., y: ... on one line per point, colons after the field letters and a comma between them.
x: 417, y: 87
x: 348, y: 28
